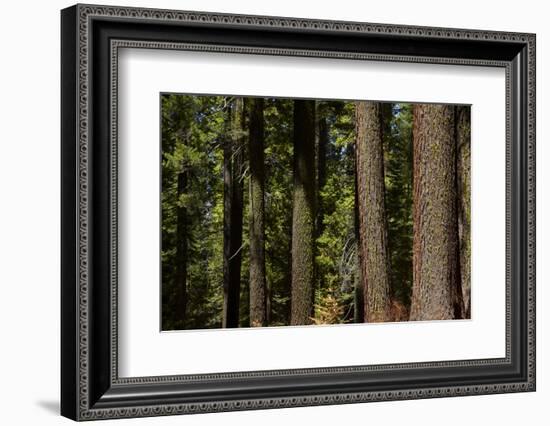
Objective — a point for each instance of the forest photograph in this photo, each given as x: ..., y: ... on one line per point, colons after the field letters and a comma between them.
x: 292, y: 212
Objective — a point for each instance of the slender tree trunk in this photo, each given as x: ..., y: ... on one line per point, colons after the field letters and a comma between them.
x: 303, y: 213
x: 322, y: 142
x: 464, y: 204
x: 258, y: 302
x: 233, y: 215
x: 373, y: 240
x: 181, y: 252
x: 435, y: 239
x: 268, y: 302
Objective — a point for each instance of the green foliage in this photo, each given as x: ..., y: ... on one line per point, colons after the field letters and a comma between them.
x: 278, y: 205
x: 193, y: 129
x: 335, y: 260
x: 398, y: 178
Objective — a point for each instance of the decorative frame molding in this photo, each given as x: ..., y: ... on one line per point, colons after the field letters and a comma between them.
x: 91, y: 388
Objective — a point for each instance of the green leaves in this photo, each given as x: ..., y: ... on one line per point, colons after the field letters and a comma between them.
x: 193, y: 132
x: 398, y: 179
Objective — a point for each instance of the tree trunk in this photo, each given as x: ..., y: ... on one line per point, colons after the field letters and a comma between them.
x: 435, y: 239
x: 464, y: 204
x: 373, y: 240
x: 258, y: 316
x: 181, y: 252
x: 359, y: 289
x: 232, y: 215
x: 322, y: 142
x: 303, y: 213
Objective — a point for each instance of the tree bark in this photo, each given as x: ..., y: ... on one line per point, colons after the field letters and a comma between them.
x: 303, y: 214
x: 359, y: 287
x: 464, y: 204
x: 181, y: 251
x: 258, y: 302
x: 232, y: 214
x: 435, y: 239
x: 373, y: 240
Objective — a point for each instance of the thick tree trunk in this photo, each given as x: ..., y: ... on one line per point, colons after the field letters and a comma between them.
x: 303, y: 214
x: 464, y: 204
x: 232, y: 215
x: 359, y: 288
x: 181, y: 252
x: 258, y: 302
x: 373, y: 240
x: 386, y: 115
x: 435, y: 240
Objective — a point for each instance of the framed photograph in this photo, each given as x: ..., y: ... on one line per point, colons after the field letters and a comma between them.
x: 263, y: 212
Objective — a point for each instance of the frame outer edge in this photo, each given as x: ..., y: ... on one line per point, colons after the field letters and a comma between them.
x: 83, y: 61
x: 531, y: 200
x: 83, y: 13
x: 69, y: 221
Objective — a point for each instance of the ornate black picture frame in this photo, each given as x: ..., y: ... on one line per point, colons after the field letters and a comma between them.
x: 90, y: 385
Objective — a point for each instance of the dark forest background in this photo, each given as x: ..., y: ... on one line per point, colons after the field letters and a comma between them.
x: 292, y: 212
